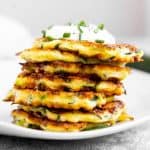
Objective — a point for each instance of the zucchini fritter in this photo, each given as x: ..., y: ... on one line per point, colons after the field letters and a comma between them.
x: 59, y: 99
x: 109, y: 112
x: 105, y: 52
x: 38, y: 55
x: 29, y: 120
x: 67, y: 83
x: 105, y: 72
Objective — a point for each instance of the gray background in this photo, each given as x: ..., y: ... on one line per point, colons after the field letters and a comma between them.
x: 127, y: 20
x: 122, y: 17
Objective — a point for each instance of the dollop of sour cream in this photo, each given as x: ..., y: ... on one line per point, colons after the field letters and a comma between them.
x: 90, y: 33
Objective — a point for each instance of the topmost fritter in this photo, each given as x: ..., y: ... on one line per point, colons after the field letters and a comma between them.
x: 80, y: 42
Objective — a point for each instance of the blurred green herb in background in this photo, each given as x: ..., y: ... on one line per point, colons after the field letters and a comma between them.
x: 145, y: 65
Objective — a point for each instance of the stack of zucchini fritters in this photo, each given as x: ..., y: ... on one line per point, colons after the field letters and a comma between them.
x: 68, y: 85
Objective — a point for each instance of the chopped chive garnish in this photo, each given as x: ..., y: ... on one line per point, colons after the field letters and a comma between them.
x: 101, y: 26
x: 43, y: 111
x: 58, y: 117
x: 50, y: 38
x: 99, y: 126
x: 105, y: 76
x: 80, y: 32
x: 20, y: 122
x: 72, y: 101
x: 43, y: 33
x: 99, y: 41
x: 43, y: 97
x: 98, y: 116
x: 83, y: 60
x: 33, y: 126
x: 82, y: 23
x: 128, y: 53
x: 29, y: 99
x: 66, y: 35
x: 57, y: 46
x: 42, y: 46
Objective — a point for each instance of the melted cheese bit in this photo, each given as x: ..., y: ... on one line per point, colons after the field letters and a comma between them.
x: 89, y: 32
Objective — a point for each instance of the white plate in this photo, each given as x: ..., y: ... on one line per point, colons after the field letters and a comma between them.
x: 137, y: 100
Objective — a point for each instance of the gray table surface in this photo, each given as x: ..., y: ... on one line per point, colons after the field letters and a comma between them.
x: 133, y: 139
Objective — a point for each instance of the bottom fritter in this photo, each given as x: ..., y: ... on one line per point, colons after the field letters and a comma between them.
x: 109, y: 111
x: 70, y: 121
x: 22, y: 118
x: 28, y: 120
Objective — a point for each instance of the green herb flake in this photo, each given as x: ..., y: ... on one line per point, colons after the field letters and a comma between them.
x: 43, y: 97
x: 42, y: 46
x: 99, y: 116
x: 72, y: 101
x: 29, y: 99
x: 99, y: 126
x: 106, y: 116
x: 50, y: 38
x: 99, y: 41
x: 66, y: 35
x: 58, y: 117
x: 83, y: 60
x: 101, y: 26
x: 128, y: 53
x: 57, y: 46
x: 44, y: 111
x: 82, y: 23
x: 20, y: 122
x: 105, y: 76
x: 33, y: 126
x: 43, y: 33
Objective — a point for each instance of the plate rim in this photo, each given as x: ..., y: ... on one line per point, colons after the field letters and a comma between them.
x: 47, y: 135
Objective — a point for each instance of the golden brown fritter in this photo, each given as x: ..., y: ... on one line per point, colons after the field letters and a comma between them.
x: 105, y: 52
x: 47, y: 82
x: 29, y: 120
x: 109, y: 112
x: 59, y: 99
x: 105, y: 72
